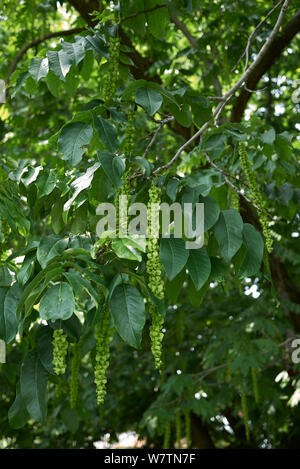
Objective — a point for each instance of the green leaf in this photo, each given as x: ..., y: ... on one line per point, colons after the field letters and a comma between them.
x: 72, y: 140
x: 50, y: 247
x: 199, y: 266
x: 113, y: 166
x: 5, y: 276
x: 229, y: 233
x: 150, y: 100
x: 9, y: 299
x: 173, y: 255
x: 254, y: 251
x: 128, y: 312
x: 211, y: 212
x: 215, y: 144
x: 286, y: 192
x: 38, y: 68
x: 268, y: 136
x: 107, y: 133
x: 173, y: 287
x: 74, y: 50
x: 80, y: 184
x: 17, y: 413
x: 27, y: 269
x: 33, y: 289
x: 54, y: 84
x: 87, y: 65
x: 59, y: 63
x: 129, y: 248
x: 157, y: 19
x: 33, y: 387
x: 44, y: 347
x: 182, y: 114
x: 46, y: 182
x: 57, y: 303
x: 218, y: 269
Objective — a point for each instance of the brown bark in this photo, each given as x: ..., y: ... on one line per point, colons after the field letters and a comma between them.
x: 275, y: 50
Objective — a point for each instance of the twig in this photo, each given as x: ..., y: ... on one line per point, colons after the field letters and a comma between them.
x: 183, y: 147
x: 133, y: 15
x: 35, y: 43
x: 180, y: 25
x: 246, y: 52
x: 232, y: 185
x: 231, y: 92
x: 161, y: 124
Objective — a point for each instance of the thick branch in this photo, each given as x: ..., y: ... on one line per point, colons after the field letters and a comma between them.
x: 273, y: 52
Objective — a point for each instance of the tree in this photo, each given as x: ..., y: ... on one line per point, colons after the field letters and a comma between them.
x: 164, y: 102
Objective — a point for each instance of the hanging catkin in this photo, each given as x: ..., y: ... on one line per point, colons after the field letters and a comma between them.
x: 154, y: 271
x: 255, y: 195
x: 102, y: 355
x: 60, y: 349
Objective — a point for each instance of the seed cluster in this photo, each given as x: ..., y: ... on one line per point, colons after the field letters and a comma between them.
x: 60, y: 349
x: 154, y: 271
x: 121, y: 210
x: 234, y: 200
x: 75, y: 364
x: 102, y: 355
x: 255, y: 195
x: 110, y: 84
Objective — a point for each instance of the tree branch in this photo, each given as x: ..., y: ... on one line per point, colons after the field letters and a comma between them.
x: 231, y: 92
x: 232, y: 185
x: 246, y: 52
x: 272, y: 53
x: 133, y: 15
x: 193, y: 41
x: 35, y: 43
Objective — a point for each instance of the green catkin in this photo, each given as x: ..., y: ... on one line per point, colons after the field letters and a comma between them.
x: 154, y: 270
x: 255, y: 195
x: 245, y: 414
x: 60, y: 349
x: 110, y: 84
x: 255, y: 384
x: 102, y: 355
x: 121, y: 211
x: 58, y: 390
x: 129, y: 134
x: 234, y: 200
x: 75, y: 364
x: 178, y: 429
x: 167, y: 436
x: 187, y: 422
